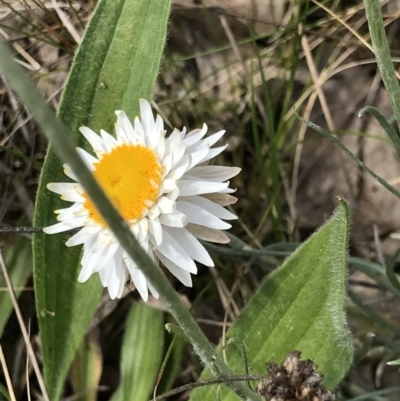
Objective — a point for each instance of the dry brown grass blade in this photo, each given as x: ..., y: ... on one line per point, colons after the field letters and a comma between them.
x: 7, y: 375
x: 345, y: 24
x: 31, y: 353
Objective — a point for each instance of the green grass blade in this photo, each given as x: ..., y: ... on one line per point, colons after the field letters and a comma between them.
x: 382, y: 54
x: 142, y: 352
x: 86, y: 369
x: 394, y: 137
x: 300, y: 306
x: 336, y: 141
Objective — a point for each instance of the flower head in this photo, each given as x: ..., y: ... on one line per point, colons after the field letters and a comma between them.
x: 162, y: 186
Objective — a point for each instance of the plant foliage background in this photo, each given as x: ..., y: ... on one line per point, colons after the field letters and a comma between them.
x: 240, y: 67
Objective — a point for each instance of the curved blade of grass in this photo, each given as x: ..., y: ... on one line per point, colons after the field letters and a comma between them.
x: 336, y: 141
x: 390, y: 273
x: 171, y: 364
x: 113, y: 68
x: 363, y: 351
x: 299, y: 307
x: 394, y: 137
x: 141, y: 354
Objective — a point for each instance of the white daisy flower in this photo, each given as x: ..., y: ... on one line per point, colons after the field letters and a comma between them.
x: 162, y: 186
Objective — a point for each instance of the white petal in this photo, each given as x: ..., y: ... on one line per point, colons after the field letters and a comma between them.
x: 122, y: 283
x: 104, y: 257
x: 214, y: 173
x: 153, y: 213
x: 138, y: 278
x: 103, y: 277
x: 173, y: 195
x: 211, y: 207
x: 197, y: 215
x: 69, y: 173
x: 88, y: 159
x: 98, y: 250
x: 194, y: 136
x: 160, y: 148
x: 228, y: 190
x: 85, y: 274
x: 109, y: 141
x: 77, y: 209
x: 83, y: 235
x: 167, y: 164
x: 193, y: 187
x: 168, y: 185
x: 182, y: 275
x: 221, y: 199
x: 197, y: 157
x: 77, y: 221
x: 139, y: 132
x: 165, y: 205
x: 208, y: 234
x: 123, y: 128
x: 213, y: 153
x: 180, y: 169
x: 155, y: 230
x: 183, y: 133
x: 173, y: 141
x: 72, y: 196
x: 114, y: 275
x: 171, y: 249
x: 96, y: 141
x: 153, y: 291
x: 207, y: 142
x: 191, y: 245
x: 56, y: 228
x: 143, y: 230
x: 147, y: 119
x: 174, y: 219
x: 64, y: 187
x: 177, y: 155
x: 160, y: 125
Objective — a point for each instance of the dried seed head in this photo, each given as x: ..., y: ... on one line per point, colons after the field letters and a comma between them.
x: 294, y: 380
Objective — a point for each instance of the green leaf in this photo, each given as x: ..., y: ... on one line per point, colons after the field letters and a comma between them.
x: 86, y: 369
x: 116, y: 64
x: 299, y: 307
x: 142, y: 352
x: 18, y: 259
x: 171, y: 363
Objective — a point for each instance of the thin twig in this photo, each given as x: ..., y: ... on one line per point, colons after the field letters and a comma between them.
x: 7, y: 375
x: 208, y: 382
x: 21, y: 230
x: 28, y: 386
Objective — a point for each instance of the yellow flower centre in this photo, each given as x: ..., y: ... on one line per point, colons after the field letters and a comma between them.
x: 130, y: 175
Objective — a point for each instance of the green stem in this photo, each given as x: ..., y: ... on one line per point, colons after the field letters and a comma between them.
x: 60, y: 139
x: 382, y: 54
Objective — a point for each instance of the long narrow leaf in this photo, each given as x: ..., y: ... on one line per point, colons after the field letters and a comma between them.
x: 142, y: 352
